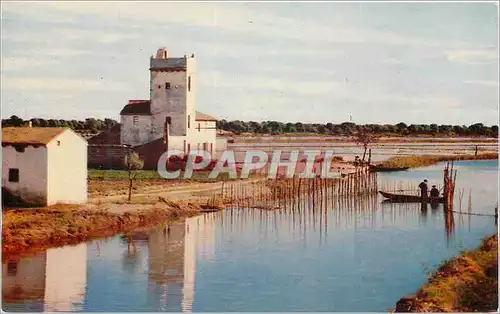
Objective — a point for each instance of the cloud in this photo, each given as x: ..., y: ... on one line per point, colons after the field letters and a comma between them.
x: 20, y: 63
x: 234, y: 17
x: 60, y: 84
x: 483, y: 83
x: 300, y: 61
x: 473, y: 56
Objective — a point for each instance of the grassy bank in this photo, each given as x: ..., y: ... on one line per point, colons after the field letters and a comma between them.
x: 427, y: 160
x: 197, y: 176
x: 467, y: 283
x: 26, y: 230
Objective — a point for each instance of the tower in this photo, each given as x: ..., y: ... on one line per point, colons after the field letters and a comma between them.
x: 172, y: 93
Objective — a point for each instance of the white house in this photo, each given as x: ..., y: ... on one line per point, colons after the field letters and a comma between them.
x: 44, y: 166
x: 170, y: 113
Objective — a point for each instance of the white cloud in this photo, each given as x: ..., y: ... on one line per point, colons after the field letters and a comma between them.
x: 60, y: 84
x: 473, y: 56
x: 20, y: 63
x: 270, y: 62
x: 236, y: 17
x: 483, y: 83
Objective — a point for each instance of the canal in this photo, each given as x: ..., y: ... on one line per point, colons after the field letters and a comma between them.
x: 352, y: 256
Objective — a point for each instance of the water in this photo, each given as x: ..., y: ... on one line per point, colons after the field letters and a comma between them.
x: 350, y: 257
x: 380, y: 151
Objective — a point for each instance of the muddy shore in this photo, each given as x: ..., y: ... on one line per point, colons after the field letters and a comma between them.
x: 34, y: 229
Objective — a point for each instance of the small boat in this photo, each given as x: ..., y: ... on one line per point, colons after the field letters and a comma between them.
x: 403, y: 198
x: 388, y: 169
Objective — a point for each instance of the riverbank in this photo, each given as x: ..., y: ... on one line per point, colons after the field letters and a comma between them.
x: 467, y: 283
x: 34, y: 229
x: 428, y: 160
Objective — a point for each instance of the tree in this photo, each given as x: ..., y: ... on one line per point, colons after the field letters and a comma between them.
x: 299, y: 127
x: 132, y: 163
x: 414, y: 129
x: 402, y: 128
x: 15, y: 121
x: 364, y: 137
x: 494, y: 131
x: 434, y: 128
x: 477, y: 129
x: 290, y: 128
x: 329, y: 126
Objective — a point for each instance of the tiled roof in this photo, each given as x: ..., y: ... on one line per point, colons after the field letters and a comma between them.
x: 137, y: 107
x: 143, y: 107
x: 108, y: 137
x: 33, y: 136
x: 200, y: 116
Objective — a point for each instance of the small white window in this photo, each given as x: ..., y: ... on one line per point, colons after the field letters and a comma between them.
x: 136, y: 120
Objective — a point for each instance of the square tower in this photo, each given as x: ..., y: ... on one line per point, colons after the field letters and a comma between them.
x: 172, y: 93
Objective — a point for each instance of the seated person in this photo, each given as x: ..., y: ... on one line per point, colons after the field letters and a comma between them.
x: 434, y: 191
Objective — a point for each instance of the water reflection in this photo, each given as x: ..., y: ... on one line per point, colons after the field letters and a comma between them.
x: 172, y: 253
x: 54, y: 279
x: 58, y: 280
x: 330, y: 254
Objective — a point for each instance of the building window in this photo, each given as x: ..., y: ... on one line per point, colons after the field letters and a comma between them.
x: 189, y: 83
x: 167, y: 85
x: 12, y: 268
x: 136, y: 120
x: 58, y: 143
x: 198, y: 127
x: 13, y: 175
x: 189, y: 121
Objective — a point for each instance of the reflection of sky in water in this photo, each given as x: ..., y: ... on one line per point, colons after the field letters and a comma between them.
x: 347, y: 257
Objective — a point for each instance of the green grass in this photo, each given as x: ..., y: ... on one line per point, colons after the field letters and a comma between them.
x: 427, y: 160
x: 121, y: 174
x: 201, y: 176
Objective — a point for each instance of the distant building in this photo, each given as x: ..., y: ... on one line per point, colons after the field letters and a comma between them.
x: 44, y: 166
x: 166, y: 121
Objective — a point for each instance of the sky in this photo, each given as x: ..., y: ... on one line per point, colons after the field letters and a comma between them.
x: 289, y: 62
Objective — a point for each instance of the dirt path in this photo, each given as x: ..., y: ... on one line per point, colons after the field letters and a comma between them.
x: 188, y: 191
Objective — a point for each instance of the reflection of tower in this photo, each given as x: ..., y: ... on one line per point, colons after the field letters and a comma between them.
x: 66, y: 278
x: 192, y: 231
x: 166, y: 264
x: 57, y: 277
x: 200, y: 233
x: 172, y: 260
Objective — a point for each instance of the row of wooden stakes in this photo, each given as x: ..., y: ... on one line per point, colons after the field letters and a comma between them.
x: 290, y: 192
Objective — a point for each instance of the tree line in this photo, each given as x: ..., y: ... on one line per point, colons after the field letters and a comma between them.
x: 93, y: 125
x: 350, y: 128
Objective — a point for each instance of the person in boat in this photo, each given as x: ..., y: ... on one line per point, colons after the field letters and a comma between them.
x: 434, y: 191
x: 423, y: 188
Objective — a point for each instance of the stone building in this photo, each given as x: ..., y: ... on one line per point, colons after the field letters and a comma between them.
x: 166, y: 121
